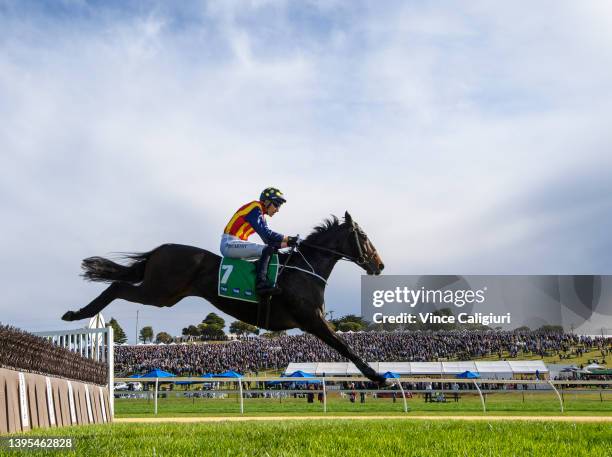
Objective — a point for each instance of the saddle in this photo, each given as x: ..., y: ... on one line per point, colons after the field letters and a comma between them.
x: 237, y: 278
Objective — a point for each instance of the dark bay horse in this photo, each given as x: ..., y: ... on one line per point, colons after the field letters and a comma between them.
x: 171, y: 272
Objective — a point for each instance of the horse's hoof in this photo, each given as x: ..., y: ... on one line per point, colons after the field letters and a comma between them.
x: 383, y: 382
x: 69, y: 316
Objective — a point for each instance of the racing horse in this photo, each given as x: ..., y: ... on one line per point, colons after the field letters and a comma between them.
x: 167, y: 274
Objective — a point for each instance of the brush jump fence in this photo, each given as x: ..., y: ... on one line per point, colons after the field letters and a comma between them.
x: 55, y: 379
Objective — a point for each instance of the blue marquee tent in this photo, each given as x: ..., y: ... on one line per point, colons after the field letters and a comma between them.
x: 299, y: 374
x: 468, y: 375
x: 205, y: 375
x: 391, y: 375
x: 303, y: 376
x: 228, y: 374
x: 157, y: 373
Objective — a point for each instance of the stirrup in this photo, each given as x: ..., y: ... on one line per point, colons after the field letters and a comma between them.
x: 265, y: 288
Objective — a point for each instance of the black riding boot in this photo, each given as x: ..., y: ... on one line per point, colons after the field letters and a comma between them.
x: 262, y: 286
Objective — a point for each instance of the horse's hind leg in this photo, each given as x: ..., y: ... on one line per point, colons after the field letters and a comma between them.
x: 117, y: 289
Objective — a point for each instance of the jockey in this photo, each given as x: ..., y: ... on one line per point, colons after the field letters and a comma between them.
x: 250, y: 218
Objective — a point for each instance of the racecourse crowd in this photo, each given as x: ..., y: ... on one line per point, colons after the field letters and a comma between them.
x: 254, y: 354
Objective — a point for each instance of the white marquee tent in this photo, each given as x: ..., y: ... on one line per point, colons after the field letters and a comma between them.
x: 487, y: 370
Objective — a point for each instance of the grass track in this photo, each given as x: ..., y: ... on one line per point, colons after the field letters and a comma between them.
x: 341, y: 438
x: 513, y: 404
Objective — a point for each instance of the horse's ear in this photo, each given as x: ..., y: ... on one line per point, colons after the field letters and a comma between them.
x: 347, y: 217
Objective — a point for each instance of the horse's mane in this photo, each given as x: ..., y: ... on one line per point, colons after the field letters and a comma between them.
x: 324, y: 227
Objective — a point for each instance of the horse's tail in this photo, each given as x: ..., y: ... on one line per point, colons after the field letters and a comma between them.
x: 104, y: 270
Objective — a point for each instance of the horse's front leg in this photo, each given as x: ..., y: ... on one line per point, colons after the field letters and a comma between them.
x: 321, y: 329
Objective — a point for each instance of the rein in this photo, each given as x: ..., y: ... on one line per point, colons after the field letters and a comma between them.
x: 360, y: 260
x: 310, y: 272
x: 331, y: 251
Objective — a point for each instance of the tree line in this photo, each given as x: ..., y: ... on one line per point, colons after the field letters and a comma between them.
x: 212, y: 328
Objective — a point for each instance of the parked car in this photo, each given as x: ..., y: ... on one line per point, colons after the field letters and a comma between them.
x: 135, y: 386
x: 121, y: 386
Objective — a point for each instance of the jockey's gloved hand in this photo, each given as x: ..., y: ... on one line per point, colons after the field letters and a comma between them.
x: 292, y: 241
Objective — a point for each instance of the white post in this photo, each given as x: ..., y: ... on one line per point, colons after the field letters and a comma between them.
x: 484, y: 407
x: 241, y: 399
x: 156, y: 386
x: 403, y: 395
x: 97, y: 348
x: 110, y: 363
x: 557, y: 392
x: 324, y: 397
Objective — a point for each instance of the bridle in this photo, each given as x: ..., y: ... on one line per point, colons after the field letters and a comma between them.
x: 360, y: 259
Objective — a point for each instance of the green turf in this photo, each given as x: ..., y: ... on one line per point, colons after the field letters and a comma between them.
x: 512, y: 403
x: 341, y: 438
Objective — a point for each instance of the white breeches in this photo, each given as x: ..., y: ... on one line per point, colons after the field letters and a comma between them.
x: 234, y: 247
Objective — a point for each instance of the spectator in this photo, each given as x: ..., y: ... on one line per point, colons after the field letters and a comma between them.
x: 428, y: 392
x: 455, y: 388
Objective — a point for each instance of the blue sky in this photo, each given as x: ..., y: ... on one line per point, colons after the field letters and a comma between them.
x: 465, y: 139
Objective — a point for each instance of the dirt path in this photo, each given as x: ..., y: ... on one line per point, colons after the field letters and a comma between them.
x: 315, y: 418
